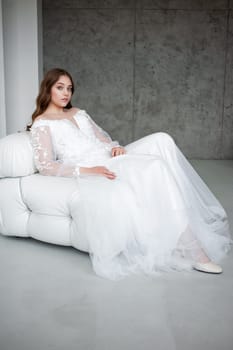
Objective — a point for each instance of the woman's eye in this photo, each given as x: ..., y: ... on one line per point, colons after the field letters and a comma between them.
x: 59, y: 88
x: 69, y: 89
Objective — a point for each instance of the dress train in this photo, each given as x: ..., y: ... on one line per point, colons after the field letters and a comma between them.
x: 157, y: 214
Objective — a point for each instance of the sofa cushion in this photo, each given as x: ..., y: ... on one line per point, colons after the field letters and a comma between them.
x: 16, y: 155
x: 43, y: 207
x: 14, y: 214
x: 49, y: 195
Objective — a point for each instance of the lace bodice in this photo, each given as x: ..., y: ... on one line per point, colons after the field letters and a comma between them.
x: 61, y: 146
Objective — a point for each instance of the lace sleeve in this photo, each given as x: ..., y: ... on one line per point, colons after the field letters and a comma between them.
x: 102, y: 135
x: 44, y: 155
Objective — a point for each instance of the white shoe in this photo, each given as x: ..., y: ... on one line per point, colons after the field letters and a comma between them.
x: 208, y: 267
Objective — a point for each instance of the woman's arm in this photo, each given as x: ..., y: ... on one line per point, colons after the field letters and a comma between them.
x: 103, y: 136
x: 45, y: 158
x: 98, y: 170
x: 44, y: 155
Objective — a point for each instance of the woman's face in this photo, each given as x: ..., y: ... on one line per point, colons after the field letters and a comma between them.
x: 61, y: 92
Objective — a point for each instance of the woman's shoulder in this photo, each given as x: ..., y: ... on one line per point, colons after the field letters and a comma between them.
x: 41, y: 120
x: 47, y: 118
x: 73, y: 110
x: 43, y: 116
x: 76, y: 110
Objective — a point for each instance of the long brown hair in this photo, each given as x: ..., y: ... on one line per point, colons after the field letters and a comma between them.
x: 44, y: 97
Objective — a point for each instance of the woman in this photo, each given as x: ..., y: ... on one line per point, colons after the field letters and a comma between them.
x: 155, y: 213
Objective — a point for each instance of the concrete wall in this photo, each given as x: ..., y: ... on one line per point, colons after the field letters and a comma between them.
x: 142, y: 66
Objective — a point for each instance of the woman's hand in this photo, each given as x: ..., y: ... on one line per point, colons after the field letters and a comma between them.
x: 117, y: 151
x: 98, y: 170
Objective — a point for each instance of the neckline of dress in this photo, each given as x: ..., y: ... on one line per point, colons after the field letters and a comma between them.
x: 80, y: 110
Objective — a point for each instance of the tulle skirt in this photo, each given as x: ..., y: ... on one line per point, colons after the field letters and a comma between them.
x: 157, y: 215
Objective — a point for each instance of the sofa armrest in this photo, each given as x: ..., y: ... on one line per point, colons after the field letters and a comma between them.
x: 16, y: 155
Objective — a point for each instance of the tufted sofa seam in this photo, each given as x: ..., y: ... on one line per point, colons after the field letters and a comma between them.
x: 22, y: 196
x: 60, y: 216
x: 35, y: 212
x: 24, y: 202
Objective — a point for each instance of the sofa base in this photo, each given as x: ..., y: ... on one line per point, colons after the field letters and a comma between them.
x: 40, y: 207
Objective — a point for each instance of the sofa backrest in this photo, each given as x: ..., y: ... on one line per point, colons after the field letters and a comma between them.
x: 16, y: 155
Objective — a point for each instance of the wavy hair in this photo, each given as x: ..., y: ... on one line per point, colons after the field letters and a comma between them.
x: 44, y: 97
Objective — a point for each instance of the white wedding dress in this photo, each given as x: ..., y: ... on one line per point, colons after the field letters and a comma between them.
x: 156, y: 215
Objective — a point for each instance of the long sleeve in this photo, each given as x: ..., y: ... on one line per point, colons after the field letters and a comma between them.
x: 44, y: 155
x: 102, y: 135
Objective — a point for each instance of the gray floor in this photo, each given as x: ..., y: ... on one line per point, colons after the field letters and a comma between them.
x: 51, y: 299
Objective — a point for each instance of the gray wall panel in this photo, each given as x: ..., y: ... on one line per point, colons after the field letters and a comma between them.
x: 227, y: 134
x: 179, y: 74
x: 96, y: 46
x: 141, y: 69
x: 183, y: 4
x: 89, y: 3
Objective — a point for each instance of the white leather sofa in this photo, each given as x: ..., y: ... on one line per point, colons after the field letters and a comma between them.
x: 33, y: 205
